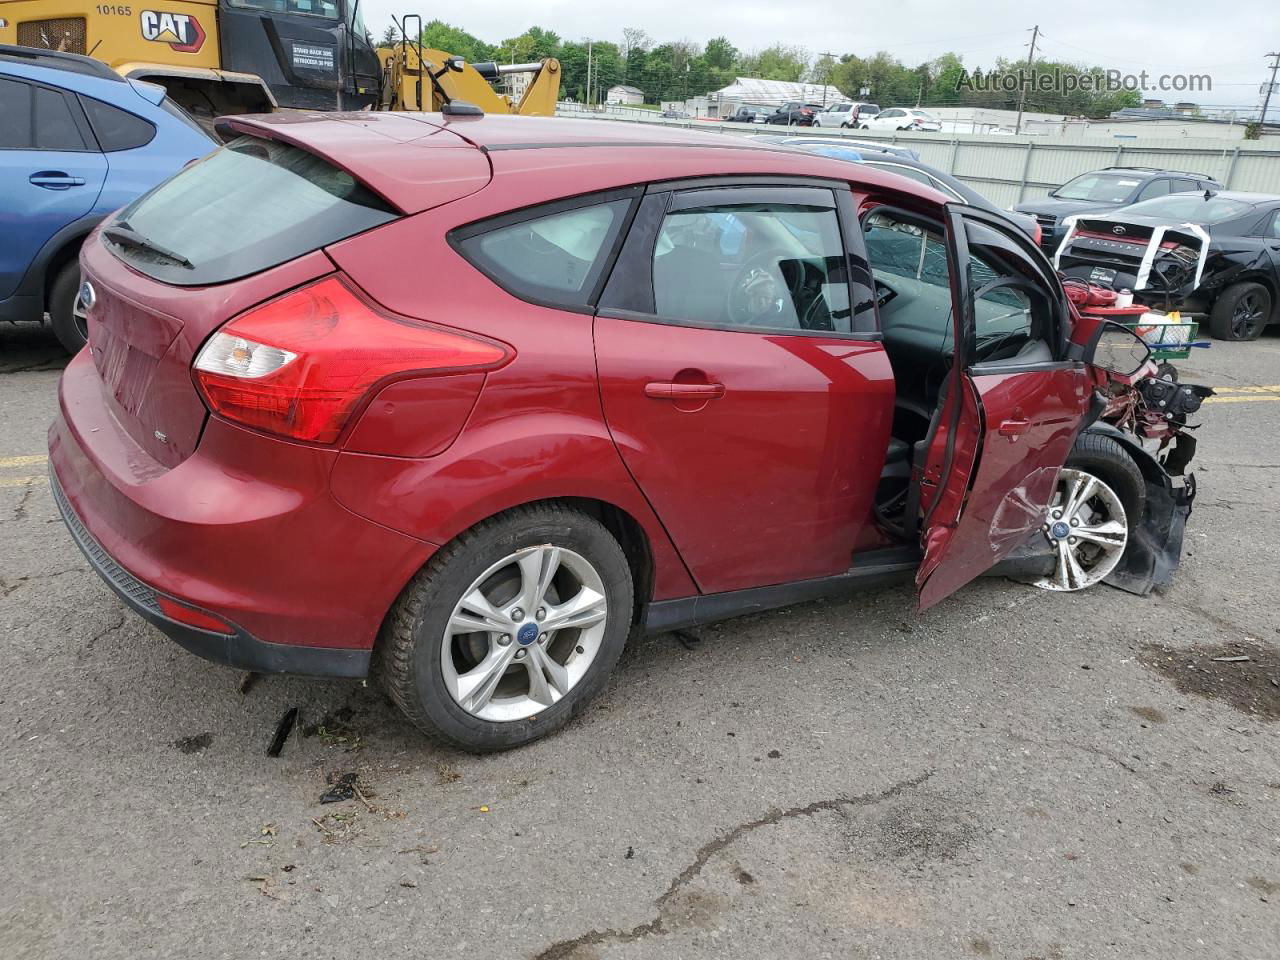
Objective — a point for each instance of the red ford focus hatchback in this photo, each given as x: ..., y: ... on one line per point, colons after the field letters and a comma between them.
x: 464, y: 401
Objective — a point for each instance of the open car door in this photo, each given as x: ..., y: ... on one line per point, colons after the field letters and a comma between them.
x: 1012, y: 407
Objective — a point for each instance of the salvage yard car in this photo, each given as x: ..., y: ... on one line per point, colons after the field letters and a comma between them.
x: 1110, y: 188
x: 1203, y: 253
x: 462, y: 402
x: 77, y: 140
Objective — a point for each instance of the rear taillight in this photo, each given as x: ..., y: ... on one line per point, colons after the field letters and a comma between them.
x: 300, y: 365
x: 1037, y: 234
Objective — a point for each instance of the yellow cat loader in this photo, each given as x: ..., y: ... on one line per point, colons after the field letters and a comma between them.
x: 251, y: 56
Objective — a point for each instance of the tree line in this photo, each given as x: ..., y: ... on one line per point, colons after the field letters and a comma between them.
x: 680, y: 69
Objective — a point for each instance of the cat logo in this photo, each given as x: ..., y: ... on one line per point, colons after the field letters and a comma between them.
x: 181, y: 31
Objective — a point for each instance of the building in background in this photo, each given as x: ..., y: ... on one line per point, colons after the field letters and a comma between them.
x: 623, y: 94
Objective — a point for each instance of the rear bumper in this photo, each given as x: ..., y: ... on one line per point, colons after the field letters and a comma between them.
x: 239, y: 650
x: 245, y: 528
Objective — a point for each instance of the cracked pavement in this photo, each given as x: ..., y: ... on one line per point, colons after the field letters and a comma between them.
x: 1002, y: 777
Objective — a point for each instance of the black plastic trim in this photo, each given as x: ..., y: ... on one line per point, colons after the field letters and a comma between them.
x: 239, y: 650
x: 875, y: 568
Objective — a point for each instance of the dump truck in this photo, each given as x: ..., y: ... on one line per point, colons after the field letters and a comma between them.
x: 218, y: 57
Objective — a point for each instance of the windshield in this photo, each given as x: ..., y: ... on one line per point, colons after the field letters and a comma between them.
x: 1099, y: 188
x: 245, y: 208
x: 307, y: 8
x: 1191, y: 208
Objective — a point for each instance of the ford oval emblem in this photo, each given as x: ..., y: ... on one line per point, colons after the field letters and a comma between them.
x: 88, y: 296
x: 1118, y: 230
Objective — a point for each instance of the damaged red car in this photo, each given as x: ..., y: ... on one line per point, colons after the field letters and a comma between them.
x: 462, y: 402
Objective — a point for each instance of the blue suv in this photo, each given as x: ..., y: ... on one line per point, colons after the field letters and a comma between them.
x: 77, y: 141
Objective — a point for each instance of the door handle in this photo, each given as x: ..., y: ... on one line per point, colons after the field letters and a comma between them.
x: 54, y: 180
x: 1013, y: 428
x: 684, y: 391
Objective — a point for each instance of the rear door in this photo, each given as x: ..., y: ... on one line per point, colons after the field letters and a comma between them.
x: 1012, y: 409
x: 50, y: 172
x: 742, y: 380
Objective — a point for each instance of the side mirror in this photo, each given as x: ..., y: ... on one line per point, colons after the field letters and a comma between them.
x: 1117, y: 350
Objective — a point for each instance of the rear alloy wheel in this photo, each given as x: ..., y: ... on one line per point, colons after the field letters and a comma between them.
x: 1088, y: 528
x: 510, y: 629
x: 66, y: 312
x: 1241, y: 312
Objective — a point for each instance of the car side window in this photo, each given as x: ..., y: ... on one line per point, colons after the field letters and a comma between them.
x: 1183, y: 186
x: 15, y: 115
x: 1275, y: 224
x: 1156, y: 188
x: 55, y: 125
x: 753, y: 266
x: 117, y: 129
x: 555, y: 258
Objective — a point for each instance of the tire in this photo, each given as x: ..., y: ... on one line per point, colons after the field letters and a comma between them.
x: 1108, y: 482
x: 864, y: 127
x: 427, y: 669
x: 845, y: 126
x: 1167, y: 371
x: 67, y: 327
x: 1241, y: 312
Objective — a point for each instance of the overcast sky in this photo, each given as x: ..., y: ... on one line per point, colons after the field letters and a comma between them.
x: 1226, y: 40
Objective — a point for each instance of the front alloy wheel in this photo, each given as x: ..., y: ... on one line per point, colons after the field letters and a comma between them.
x: 524, y: 633
x: 1088, y: 529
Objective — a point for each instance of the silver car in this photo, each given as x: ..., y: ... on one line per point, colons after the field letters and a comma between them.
x: 845, y: 114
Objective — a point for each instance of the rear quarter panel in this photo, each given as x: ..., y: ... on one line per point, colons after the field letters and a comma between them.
x: 537, y: 431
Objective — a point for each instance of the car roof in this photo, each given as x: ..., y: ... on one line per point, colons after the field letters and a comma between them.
x: 535, y: 159
x: 57, y: 60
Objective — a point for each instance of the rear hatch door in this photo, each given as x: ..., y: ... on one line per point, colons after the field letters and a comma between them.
x: 239, y: 227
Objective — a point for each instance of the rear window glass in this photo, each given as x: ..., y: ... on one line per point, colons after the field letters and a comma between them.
x: 556, y: 258
x: 56, y: 128
x: 1191, y: 207
x: 15, y: 115
x: 245, y: 208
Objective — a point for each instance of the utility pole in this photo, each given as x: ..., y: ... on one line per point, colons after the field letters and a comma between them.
x: 829, y: 59
x: 1022, y: 87
x: 1266, y: 101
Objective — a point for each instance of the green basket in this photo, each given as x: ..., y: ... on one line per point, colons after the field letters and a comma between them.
x: 1168, y: 341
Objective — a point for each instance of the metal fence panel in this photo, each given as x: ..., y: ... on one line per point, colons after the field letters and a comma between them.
x: 1010, y: 169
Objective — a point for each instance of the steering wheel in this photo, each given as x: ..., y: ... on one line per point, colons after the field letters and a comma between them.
x: 760, y: 293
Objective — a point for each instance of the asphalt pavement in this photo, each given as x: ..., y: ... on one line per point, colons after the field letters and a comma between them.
x: 1015, y: 774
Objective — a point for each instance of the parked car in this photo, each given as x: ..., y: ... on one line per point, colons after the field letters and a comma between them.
x: 77, y: 141
x: 795, y: 114
x: 845, y: 115
x: 1107, y: 189
x: 902, y: 118
x: 750, y: 115
x: 1211, y: 253
x: 471, y: 430
x: 905, y: 167
x: 673, y: 114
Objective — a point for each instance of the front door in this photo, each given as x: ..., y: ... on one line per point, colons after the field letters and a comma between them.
x: 741, y: 379
x: 1013, y: 405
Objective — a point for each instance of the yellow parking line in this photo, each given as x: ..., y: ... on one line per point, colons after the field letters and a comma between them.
x: 1275, y: 389
x: 1253, y: 399
x: 21, y: 481
x: 23, y: 461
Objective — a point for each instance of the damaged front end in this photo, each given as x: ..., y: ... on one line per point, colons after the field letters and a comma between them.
x: 1161, y: 264
x: 1146, y: 415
